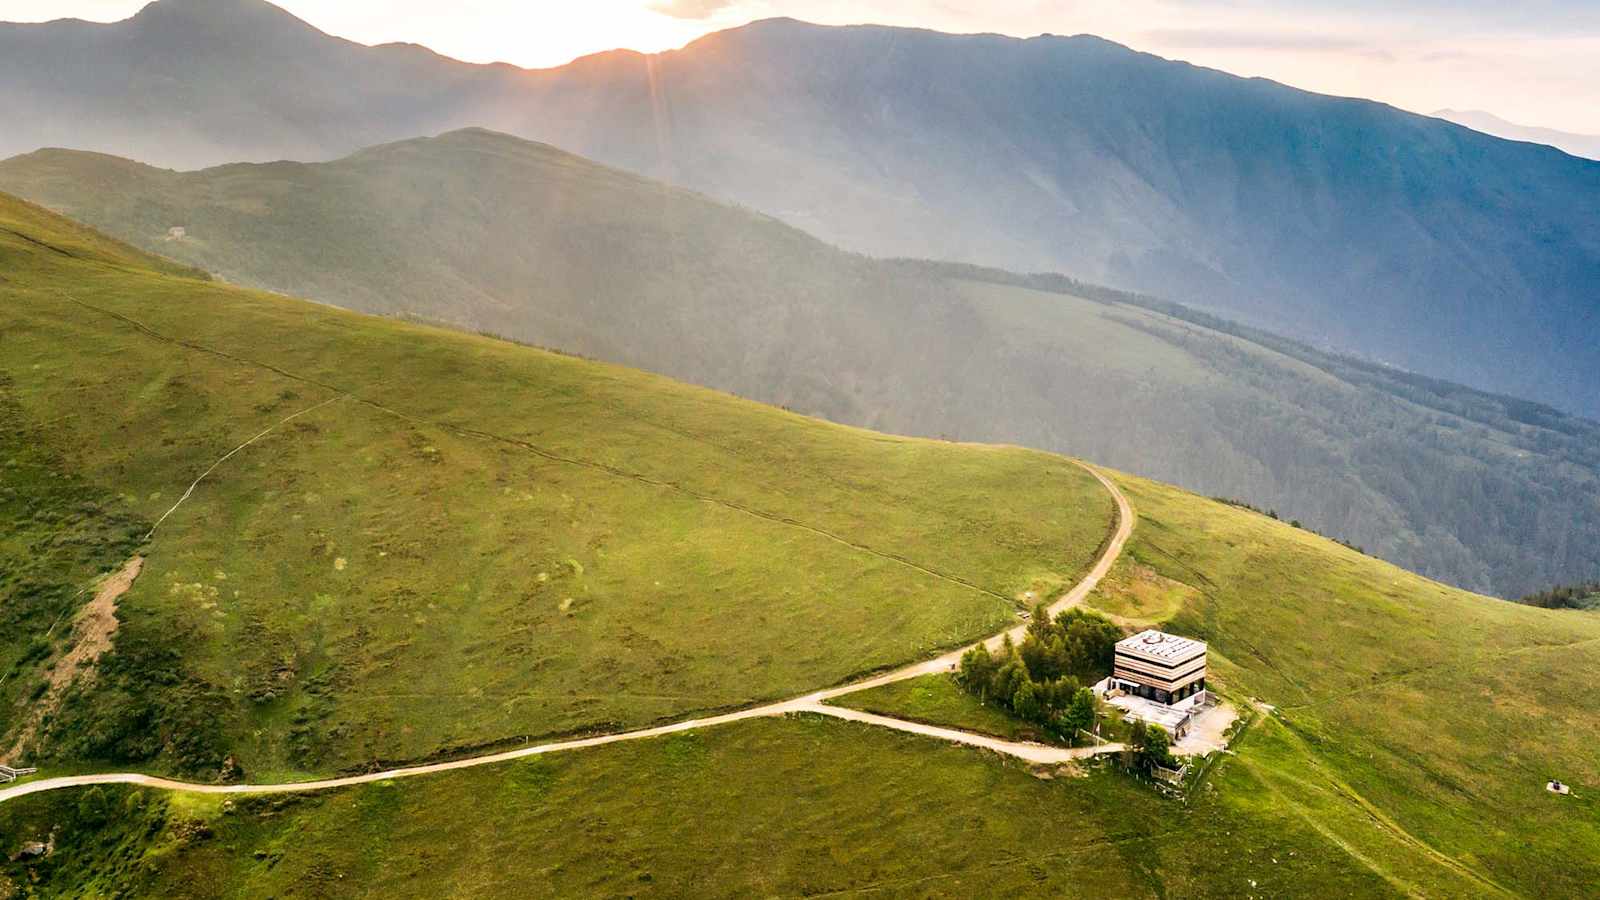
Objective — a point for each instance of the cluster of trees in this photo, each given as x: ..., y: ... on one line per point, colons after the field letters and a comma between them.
x: 1042, y: 679
x: 1148, y: 746
x: 1572, y: 596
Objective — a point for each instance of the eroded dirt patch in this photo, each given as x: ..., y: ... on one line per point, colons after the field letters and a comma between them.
x: 93, y: 630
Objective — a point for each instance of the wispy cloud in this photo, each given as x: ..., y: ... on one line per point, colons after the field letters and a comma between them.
x: 691, y: 9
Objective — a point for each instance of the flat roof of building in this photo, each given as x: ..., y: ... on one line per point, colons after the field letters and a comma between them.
x: 1161, y: 646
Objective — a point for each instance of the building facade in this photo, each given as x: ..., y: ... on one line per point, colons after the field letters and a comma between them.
x: 1160, y: 667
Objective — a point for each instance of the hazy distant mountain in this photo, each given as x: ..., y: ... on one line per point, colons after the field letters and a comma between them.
x: 1349, y: 223
x: 200, y: 82
x: 1343, y: 222
x: 1584, y: 145
x: 492, y: 233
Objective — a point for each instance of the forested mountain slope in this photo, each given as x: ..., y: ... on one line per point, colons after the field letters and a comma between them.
x: 200, y: 82
x: 490, y: 233
x: 1402, y: 238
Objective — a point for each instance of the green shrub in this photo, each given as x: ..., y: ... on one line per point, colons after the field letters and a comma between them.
x: 1040, y: 680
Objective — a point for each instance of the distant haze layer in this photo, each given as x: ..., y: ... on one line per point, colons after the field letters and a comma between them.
x: 1584, y: 145
x: 1400, y: 238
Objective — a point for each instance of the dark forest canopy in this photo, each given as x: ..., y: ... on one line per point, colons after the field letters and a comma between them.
x: 1574, y: 596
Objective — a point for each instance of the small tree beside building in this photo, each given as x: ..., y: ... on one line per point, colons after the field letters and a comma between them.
x: 1148, y: 747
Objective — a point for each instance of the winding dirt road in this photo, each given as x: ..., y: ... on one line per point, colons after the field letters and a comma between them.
x: 810, y: 703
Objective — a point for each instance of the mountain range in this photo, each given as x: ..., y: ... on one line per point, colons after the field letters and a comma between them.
x: 1584, y: 145
x: 486, y: 232
x: 1403, y: 239
x: 654, y: 477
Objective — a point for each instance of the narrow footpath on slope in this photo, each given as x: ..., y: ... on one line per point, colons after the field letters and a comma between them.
x: 815, y: 702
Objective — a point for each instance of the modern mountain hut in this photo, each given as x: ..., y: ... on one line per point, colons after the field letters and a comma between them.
x: 1160, y: 667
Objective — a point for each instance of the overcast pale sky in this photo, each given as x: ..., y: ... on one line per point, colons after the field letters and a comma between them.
x: 1536, y: 62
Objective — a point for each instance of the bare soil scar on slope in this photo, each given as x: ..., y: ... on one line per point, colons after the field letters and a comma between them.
x: 92, y: 632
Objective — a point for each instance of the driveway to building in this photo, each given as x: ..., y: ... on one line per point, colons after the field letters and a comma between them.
x: 810, y: 703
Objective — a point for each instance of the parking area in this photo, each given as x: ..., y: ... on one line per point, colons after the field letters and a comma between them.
x: 1207, y: 730
x: 1203, y: 726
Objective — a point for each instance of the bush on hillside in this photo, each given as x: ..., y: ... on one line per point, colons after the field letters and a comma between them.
x: 144, y: 703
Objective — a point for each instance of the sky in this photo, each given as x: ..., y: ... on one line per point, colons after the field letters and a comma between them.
x: 1534, y: 62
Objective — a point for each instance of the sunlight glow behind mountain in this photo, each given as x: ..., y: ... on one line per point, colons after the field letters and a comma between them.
x: 1541, y: 66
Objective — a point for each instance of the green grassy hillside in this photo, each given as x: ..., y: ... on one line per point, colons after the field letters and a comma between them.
x: 1399, y: 700
x: 489, y: 233
x: 438, y: 541
x: 796, y: 807
x: 442, y: 540
x: 1438, y: 712
x: 939, y: 700
x: 1414, y: 730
